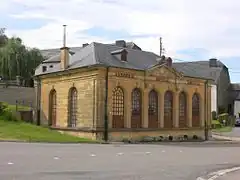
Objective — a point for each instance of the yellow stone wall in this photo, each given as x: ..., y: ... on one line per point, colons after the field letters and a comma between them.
x: 148, y: 83
x: 90, y: 84
x: 85, y: 83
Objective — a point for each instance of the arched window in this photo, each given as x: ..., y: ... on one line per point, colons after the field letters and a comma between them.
x: 72, y: 107
x: 52, y: 108
x: 168, y: 109
x: 195, y: 110
x: 153, y: 109
x: 118, y: 108
x: 182, y: 110
x: 136, y: 120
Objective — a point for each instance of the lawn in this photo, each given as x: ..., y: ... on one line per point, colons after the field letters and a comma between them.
x: 10, y: 130
x: 223, y: 129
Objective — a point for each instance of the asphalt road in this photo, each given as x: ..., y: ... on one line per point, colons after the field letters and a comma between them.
x: 20, y: 161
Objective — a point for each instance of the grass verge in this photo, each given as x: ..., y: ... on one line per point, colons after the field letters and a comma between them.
x: 224, y: 129
x: 21, y: 131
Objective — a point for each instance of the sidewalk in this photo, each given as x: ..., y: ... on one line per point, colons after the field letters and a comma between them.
x: 230, y: 136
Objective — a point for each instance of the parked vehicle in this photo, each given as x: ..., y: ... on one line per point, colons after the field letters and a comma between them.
x: 237, y: 123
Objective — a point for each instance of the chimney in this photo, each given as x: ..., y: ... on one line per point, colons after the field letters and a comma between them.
x: 120, y: 43
x: 165, y: 60
x: 213, y: 62
x: 64, y: 56
x: 85, y: 44
x: 121, y: 54
x: 169, y: 62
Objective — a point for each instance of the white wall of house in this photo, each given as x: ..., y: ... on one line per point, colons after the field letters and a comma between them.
x: 236, y: 107
x: 213, y: 97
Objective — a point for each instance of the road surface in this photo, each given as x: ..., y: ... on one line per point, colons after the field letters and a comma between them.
x: 22, y: 161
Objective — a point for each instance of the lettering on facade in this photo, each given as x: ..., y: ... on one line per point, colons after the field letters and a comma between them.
x: 193, y: 83
x: 162, y: 78
x: 124, y: 74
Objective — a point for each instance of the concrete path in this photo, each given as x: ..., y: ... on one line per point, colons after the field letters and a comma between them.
x: 230, y: 176
x: 232, y: 136
x: 23, y: 161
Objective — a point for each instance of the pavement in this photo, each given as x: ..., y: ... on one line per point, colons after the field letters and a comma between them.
x: 234, y: 135
x: 230, y: 176
x: 27, y: 161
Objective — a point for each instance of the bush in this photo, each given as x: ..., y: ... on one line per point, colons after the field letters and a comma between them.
x: 185, y: 137
x: 216, y: 124
x: 223, y: 117
x: 195, y: 137
x: 214, y: 115
x: 6, y: 113
x: 3, y: 107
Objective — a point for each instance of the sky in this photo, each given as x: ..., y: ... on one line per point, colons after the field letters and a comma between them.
x: 190, y: 30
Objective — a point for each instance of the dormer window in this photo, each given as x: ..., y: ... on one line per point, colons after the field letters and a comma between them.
x: 121, y: 54
x: 44, y: 68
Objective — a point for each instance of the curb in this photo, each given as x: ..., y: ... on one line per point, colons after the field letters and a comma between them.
x: 217, y: 174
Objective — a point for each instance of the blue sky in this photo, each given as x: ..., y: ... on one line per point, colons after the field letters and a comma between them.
x: 190, y: 30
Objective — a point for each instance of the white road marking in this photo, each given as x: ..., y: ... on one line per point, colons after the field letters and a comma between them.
x: 93, y: 155
x: 119, y: 154
x: 147, y: 152
x: 10, y: 163
x: 163, y: 151
x: 180, y: 151
x: 217, y: 174
x: 56, y: 158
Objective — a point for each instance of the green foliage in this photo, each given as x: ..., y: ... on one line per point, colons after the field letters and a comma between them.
x: 214, y: 115
x: 6, y: 113
x: 18, y: 60
x: 216, y: 124
x: 3, y: 106
x: 223, y: 117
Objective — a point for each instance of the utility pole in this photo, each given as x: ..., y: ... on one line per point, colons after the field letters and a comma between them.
x: 161, y: 46
x: 64, y: 35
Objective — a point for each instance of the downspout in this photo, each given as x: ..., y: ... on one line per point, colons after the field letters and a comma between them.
x: 38, y: 100
x: 106, y: 107
x: 206, y: 110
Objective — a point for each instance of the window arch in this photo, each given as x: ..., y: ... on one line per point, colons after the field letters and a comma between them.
x: 153, y: 109
x: 182, y: 110
x: 52, y: 108
x: 118, y: 108
x: 168, y: 109
x: 136, y: 120
x: 195, y: 110
x: 72, y: 107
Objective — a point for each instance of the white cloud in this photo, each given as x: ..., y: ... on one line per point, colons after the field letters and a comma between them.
x: 182, y: 24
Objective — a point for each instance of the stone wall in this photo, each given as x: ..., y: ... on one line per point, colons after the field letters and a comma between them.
x: 13, y: 93
x: 85, y: 83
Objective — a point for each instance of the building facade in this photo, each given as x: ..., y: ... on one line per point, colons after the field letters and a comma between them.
x: 216, y: 70
x: 127, y: 92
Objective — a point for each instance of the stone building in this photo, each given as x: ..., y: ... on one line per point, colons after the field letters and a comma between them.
x: 122, y: 92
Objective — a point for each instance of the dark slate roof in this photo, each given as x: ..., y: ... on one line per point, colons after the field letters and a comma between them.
x: 201, y: 68
x: 100, y: 54
x: 48, y: 53
x: 235, y: 86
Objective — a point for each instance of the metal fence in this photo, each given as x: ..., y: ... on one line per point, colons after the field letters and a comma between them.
x: 22, y: 105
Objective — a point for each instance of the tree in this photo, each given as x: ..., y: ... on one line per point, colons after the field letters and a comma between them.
x: 3, y: 37
x: 18, y: 60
